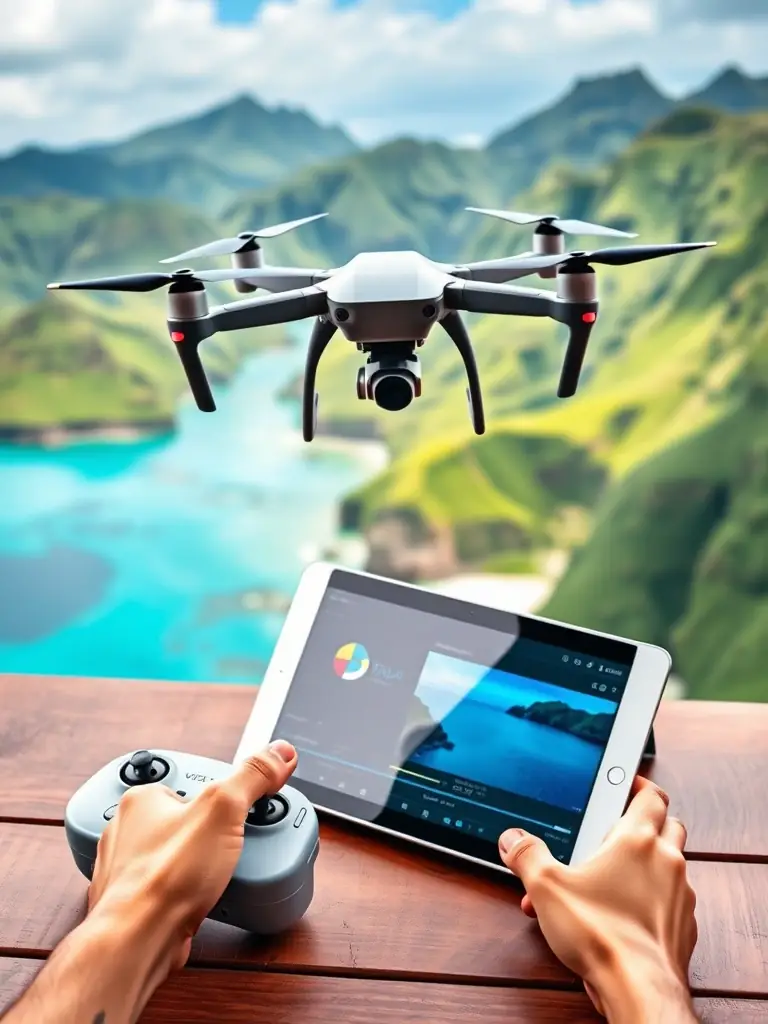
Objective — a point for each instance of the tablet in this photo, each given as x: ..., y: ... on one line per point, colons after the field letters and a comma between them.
x: 446, y: 722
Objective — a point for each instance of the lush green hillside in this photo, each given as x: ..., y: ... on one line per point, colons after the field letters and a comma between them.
x: 679, y: 552
x: 402, y: 195
x: 672, y: 339
x: 59, y: 237
x: 69, y: 360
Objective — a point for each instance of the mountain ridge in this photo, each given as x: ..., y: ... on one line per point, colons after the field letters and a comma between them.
x: 210, y: 157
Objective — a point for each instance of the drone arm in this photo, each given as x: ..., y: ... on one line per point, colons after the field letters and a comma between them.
x: 457, y: 332
x: 508, y: 268
x: 483, y: 297
x: 283, y: 279
x: 280, y: 308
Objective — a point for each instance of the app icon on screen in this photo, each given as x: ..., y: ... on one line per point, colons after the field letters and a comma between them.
x: 351, y: 661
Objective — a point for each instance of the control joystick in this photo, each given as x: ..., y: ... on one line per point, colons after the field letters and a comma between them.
x: 268, y: 811
x: 272, y: 886
x: 143, y: 767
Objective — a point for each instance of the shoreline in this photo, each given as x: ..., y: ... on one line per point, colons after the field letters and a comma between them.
x: 522, y: 594
x: 368, y: 450
x: 64, y: 435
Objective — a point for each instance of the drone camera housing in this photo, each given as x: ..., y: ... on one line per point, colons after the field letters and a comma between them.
x: 391, y: 381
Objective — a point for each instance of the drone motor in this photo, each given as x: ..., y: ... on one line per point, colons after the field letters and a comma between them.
x: 251, y: 256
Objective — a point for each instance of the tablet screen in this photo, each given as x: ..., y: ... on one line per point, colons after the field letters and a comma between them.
x: 447, y: 721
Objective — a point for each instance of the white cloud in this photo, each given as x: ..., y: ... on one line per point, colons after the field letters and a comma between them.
x: 72, y: 70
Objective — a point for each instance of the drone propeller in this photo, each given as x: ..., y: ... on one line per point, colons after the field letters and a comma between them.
x: 622, y: 256
x: 152, y: 281
x: 243, y: 242
x: 551, y: 220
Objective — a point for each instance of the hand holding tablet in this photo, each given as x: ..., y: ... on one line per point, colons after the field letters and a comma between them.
x: 446, y: 723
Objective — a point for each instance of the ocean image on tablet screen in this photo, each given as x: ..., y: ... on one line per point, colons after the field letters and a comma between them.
x: 536, y: 739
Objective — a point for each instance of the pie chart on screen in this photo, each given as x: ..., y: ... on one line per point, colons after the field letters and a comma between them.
x: 351, y: 661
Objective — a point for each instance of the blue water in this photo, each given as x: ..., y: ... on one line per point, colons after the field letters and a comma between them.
x: 131, y: 559
x: 515, y: 755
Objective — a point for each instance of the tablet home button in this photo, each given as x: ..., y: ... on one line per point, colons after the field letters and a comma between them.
x: 616, y: 776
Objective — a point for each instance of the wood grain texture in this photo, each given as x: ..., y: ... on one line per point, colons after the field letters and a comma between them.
x: 55, y: 732
x: 382, y: 909
x: 238, y: 997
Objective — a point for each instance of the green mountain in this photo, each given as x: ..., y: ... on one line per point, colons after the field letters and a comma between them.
x: 404, y: 194
x: 594, y: 121
x: 205, y: 160
x: 597, y: 118
x: 668, y: 433
x: 242, y: 138
x: 33, y: 172
x: 54, y: 238
x: 733, y: 91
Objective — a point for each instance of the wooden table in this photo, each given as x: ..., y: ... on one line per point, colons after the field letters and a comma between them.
x: 393, y: 935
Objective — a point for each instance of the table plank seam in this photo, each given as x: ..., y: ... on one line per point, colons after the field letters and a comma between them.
x: 399, y: 977
x: 695, y: 857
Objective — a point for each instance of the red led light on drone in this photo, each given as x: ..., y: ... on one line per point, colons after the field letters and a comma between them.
x: 177, y: 336
x: 589, y: 318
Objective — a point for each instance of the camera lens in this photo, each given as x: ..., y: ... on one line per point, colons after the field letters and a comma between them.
x: 393, y: 392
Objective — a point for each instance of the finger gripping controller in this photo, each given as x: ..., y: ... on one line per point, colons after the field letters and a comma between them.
x: 273, y: 883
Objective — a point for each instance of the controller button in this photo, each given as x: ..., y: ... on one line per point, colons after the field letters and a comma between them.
x: 300, y: 817
x: 144, y: 767
x: 110, y: 812
x: 269, y: 810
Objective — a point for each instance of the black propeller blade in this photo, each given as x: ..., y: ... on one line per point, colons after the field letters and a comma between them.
x: 622, y: 256
x: 151, y: 282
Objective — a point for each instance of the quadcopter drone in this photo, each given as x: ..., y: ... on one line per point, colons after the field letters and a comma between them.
x: 386, y: 303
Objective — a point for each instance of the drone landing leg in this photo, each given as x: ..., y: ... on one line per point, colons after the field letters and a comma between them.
x: 322, y: 332
x: 457, y: 332
x: 574, y: 357
x: 198, y: 382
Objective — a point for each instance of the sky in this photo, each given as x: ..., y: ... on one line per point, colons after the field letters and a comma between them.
x: 76, y: 71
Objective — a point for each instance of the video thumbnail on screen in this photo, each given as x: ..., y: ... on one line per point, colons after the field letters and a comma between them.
x: 535, y: 739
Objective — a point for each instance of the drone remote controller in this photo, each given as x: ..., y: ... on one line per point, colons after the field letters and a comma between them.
x: 273, y: 883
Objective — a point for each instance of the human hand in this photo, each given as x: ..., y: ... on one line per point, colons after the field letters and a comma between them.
x: 178, y: 856
x: 624, y: 920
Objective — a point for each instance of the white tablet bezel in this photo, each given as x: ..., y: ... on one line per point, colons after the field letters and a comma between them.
x: 623, y: 753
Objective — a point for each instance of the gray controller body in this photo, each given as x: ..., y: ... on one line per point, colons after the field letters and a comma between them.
x: 273, y: 883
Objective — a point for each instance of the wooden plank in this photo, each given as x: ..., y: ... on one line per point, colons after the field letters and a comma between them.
x: 55, y: 732
x: 229, y: 997
x: 379, y: 908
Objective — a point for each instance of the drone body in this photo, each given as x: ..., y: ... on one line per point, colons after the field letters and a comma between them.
x: 386, y: 303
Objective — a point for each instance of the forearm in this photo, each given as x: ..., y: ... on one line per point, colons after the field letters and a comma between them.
x: 636, y: 991
x: 104, y: 972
